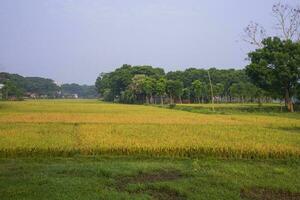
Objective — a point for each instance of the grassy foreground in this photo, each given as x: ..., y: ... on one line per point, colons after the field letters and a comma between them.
x: 142, y: 178
x: 59, y: 127
x: 86, y: 149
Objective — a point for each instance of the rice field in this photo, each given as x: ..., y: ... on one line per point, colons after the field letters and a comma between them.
x: 91, y: 127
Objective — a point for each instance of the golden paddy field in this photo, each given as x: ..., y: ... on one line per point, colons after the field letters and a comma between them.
x: 69, y: 127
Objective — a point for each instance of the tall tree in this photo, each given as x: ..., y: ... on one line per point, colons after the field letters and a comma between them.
x: 161, y: 88
x: 174, y: 89
x: 218, y: 90
x: 136, y: 86
x: 11, y: 90
x: 148, y: 88
x: 275, y: 68
x: 197, y: 89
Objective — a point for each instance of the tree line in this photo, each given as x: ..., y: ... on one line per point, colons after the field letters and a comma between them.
x: 147, y: 84
x: 275, y: 64
x: 273, y: 72
x: 17, y: 87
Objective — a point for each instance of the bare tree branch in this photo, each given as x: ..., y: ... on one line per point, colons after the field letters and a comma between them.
x: 288, y: 21
x: 254, y: 34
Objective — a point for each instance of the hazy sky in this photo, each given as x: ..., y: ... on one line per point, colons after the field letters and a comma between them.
x: 75, y: 40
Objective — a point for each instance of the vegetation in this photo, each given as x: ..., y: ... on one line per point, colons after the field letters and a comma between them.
x: 241, y: 146
x: 275, y: 68
x: 109, y: 177
x: 10, y: 89
x: 273, y: 73
x: 83, y: 91
x: 89, y: 127
x: 275, y: 63
x: 86, y: 149
x: 145, y: 84
x: 17, y: 87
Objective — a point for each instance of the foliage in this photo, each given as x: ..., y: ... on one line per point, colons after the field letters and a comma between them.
x: 190, y: 84
x: 10, y: 90
x: 174, y: 89
x: 18, y: 86
x: 83, y: 91
x: 160, y: 88
x: 197, y: 89
x: 119, y: 80
x: 34, y: 85
x: 275, y: 68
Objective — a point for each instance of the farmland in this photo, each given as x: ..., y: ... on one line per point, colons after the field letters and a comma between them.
x: 91, y: 127
x: 91, y: 147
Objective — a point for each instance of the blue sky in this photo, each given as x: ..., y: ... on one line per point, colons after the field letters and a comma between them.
x: 75, y: 40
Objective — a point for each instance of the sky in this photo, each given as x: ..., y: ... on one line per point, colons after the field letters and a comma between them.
x: 75, y: 40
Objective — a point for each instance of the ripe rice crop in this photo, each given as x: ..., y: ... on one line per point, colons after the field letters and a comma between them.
x: 60, y: 127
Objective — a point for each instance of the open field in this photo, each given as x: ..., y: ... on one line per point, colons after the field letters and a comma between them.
x: 91, y: 127
x: 87, y: 149
x: 273, y: 109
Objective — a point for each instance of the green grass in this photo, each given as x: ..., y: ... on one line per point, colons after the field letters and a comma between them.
x: 87, y: 149
x: 269, y: 109
x: 99, y: 177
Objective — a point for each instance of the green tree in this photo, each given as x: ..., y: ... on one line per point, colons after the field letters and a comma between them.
x: 218, y: 90
x: 107, y: 95
x: 186, y: 94
x: 83, y: 91
x: 127, y: 96
x: 197, y: 89
x: 103, y: 84
x: 148, y: 87
x: 174, y: 89
x: 160, y: 88
x: 11, y: 90
x: 234, y: 90
x: 136, y: 86
x: 275, y: 68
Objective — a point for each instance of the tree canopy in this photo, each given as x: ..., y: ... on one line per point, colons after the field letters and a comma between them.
x: 83, y: 91
x: 17, y: 86
x: 275, y: 68
x: 146, y: 84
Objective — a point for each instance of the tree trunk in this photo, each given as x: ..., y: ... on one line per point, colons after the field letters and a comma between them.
x: 180, y: 99
x: 259, y: 101
x: 161, y: 100
x: 171, y: 99
x: 288, y: 101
